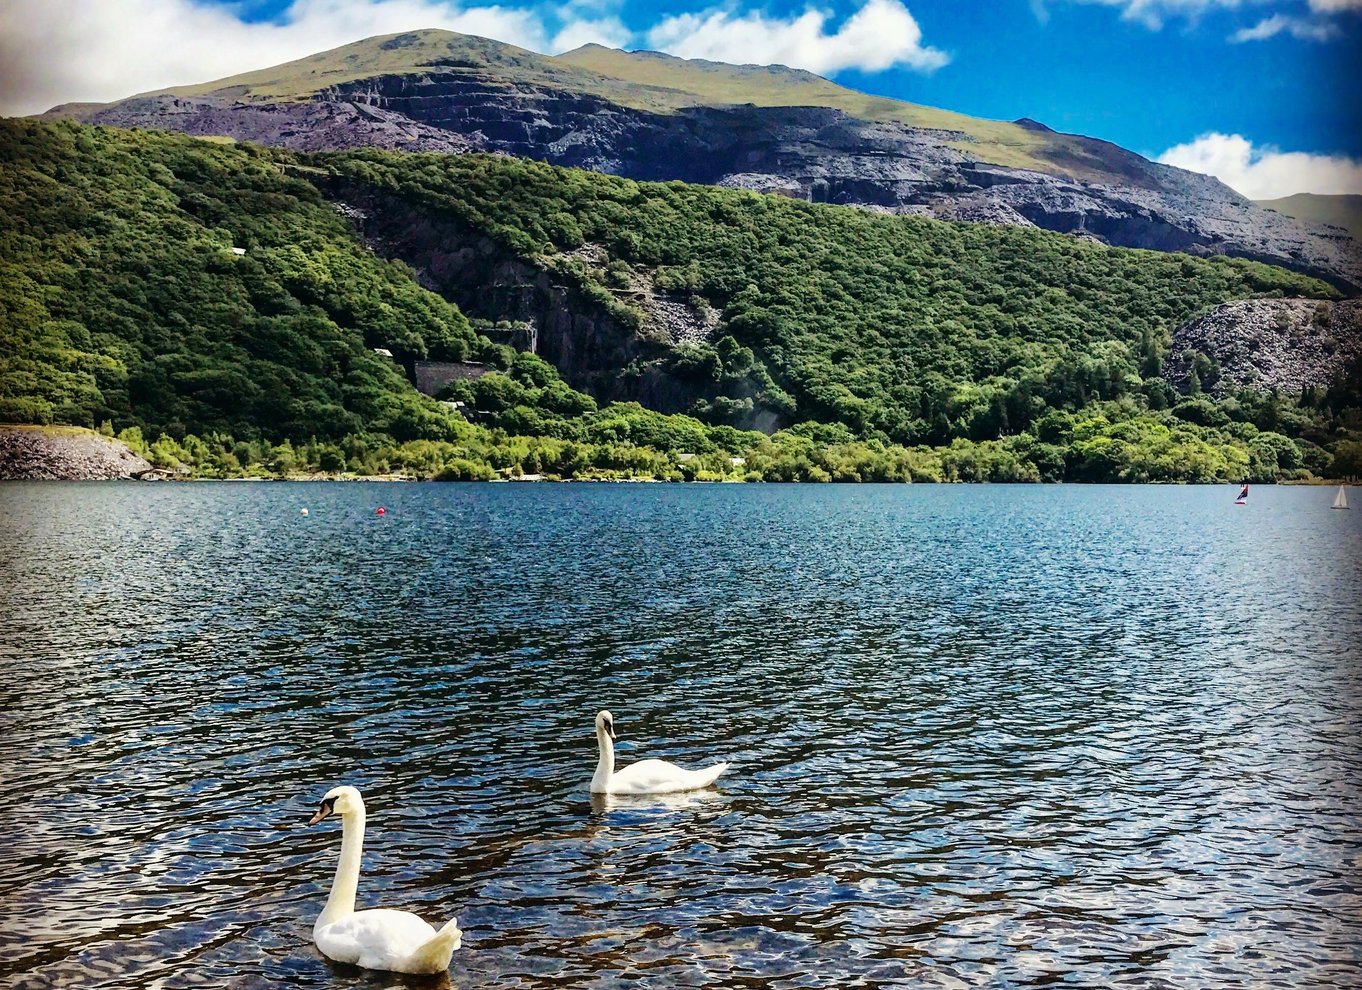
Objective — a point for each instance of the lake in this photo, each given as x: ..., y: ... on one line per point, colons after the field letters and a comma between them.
x: 982, y: 735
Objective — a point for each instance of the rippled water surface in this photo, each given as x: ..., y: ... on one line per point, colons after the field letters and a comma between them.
x: 982, y: 735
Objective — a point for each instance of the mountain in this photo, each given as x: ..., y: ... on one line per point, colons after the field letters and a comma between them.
x: 1343, y: 211
x: 646, y: 115
x: 264, y: 309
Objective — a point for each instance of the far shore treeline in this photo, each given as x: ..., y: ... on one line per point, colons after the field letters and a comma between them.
x: 873, y: 348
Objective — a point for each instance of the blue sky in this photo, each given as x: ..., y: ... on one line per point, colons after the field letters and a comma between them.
x: 1262, y: 92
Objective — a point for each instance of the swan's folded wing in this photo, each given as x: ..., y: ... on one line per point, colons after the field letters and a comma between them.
x: 434, y: 955
x: 375, y: 939
x: 708, y: 775
x: 661, y: 777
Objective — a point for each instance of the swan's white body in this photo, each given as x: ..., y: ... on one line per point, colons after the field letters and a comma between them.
x: 645, y: 776
x: 396, y: 941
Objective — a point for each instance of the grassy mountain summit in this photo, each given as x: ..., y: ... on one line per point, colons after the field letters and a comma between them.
x: 429, y: 52
x: 698, y: 82
x: 647, y: 81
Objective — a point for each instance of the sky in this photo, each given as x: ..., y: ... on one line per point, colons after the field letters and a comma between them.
x: 1264, y: 94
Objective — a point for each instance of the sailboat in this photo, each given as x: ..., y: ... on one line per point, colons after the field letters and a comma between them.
x: 1243, y: 495
x: 1341, y: 499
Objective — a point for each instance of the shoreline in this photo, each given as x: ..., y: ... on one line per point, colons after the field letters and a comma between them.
x: 391, y: 479
x: 72, y: 453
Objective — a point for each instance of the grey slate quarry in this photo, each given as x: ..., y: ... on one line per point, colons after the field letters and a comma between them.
x: 1283, y: 344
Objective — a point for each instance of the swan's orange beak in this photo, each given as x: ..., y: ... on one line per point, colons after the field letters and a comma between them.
x: 328, y: 805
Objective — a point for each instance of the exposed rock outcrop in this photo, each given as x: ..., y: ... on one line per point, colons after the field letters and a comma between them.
x: 317, y: 126
x: 63, y: 454
x: 586, y: 342
x: 1286, y: 344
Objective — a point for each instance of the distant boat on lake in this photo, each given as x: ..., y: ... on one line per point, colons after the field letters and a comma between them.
x: 1243, y: 495
x: 1341, y: 499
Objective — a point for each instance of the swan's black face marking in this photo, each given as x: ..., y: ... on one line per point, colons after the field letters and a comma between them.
x: 609, y: 728
x: 328, y: 806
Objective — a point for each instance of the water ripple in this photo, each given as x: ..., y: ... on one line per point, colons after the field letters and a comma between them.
x: 983, y: 736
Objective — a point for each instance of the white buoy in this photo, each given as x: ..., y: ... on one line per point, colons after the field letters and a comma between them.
x: 302, y: 511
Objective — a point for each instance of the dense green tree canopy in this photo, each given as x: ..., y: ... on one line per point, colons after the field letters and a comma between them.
x: 123, y: 298
x: 910, y: 329
x: 209, y: 296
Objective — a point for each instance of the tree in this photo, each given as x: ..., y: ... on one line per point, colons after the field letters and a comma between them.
x: 1347, y: 460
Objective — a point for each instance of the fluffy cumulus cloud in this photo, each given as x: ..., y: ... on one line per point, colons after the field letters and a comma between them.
x: 55, y: 51
x: 880, y: 35
x: 60, y: 51
x: 1265, y: 173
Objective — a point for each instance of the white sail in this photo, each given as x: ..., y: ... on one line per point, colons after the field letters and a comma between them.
x: 1341, y: 499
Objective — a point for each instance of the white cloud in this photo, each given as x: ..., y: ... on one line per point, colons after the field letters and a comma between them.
x: 1153, y: 14
x: 1301, y: 28
x: 1265, y: 173
x: 58, y: 51
x: 595, y: 8
x: 881, y: 35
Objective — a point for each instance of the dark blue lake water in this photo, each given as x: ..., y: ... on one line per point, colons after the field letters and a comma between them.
x: 983, y: 736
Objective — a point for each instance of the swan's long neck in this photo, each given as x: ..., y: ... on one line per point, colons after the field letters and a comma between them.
x: 605, y: 766
x: 343, y: 887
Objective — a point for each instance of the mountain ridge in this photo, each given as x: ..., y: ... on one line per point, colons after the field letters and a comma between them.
x: 648, y: 115
x: 999, y: 142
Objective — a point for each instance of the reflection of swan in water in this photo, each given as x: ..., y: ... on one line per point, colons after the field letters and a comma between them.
x: 396, y: 941
x: 645, y: 776
x: 348, y: 975
x: 671, y: 801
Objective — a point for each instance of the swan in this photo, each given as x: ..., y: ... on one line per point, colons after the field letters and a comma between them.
x: 396, y: 941
x: 645, y: 776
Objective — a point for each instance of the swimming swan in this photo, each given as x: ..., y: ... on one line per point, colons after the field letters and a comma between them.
x: 396, y: 941
x: 645, y: 776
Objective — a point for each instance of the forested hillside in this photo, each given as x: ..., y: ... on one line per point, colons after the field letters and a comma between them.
x: 886, y: 348
x: 123, y: 299
x: 915, y: 329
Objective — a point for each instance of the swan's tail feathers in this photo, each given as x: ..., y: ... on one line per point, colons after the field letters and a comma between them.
x: 708, y: 775
x: 434, y: 955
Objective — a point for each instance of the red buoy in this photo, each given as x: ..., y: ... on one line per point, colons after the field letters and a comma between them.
x: 381, y: 511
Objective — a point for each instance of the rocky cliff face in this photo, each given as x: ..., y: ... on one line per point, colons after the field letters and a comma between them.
x: 1285, y: 344
x: 813, y: 153
x: 580, y: 337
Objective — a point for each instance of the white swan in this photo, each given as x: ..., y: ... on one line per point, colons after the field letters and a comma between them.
x: 397, y: 941
x: 645, y: 776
